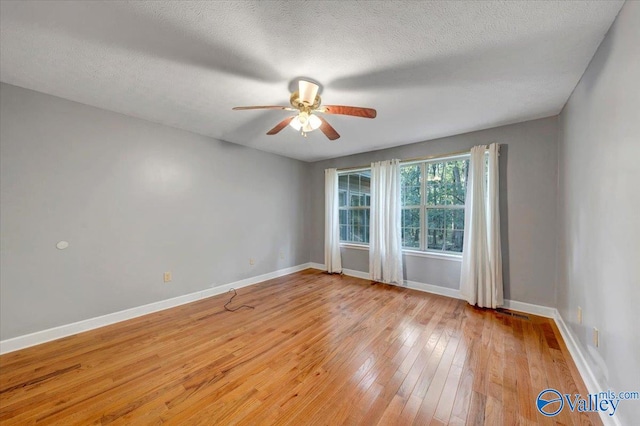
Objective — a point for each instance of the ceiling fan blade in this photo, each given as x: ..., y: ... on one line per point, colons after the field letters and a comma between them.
x: 263, y: 107
x: 328, y: 131
x: 349, y: 110
x: 281, y: 125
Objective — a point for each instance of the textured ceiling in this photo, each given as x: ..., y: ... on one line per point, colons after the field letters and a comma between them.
x: 431, y: 69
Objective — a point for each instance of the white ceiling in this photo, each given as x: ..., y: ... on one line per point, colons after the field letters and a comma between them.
x: 431, y: 69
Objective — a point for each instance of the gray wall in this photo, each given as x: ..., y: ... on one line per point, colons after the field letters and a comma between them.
x: 599, y: 209
x: 528, y: 208
x: 134, y: 199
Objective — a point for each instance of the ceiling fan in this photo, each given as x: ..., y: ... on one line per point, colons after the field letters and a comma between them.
x: 306, y: 102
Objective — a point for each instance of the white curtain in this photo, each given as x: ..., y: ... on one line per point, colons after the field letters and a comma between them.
x: 385, y: 243
x: 481, y: 275
x: 332, y: 259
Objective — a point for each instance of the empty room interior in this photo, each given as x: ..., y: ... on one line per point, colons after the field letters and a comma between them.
x: 314, y: 212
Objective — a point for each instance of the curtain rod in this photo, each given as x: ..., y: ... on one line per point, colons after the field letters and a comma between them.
x: 410, y: 160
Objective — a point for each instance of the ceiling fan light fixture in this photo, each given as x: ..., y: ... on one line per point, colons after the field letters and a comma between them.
x: 314, y: 122
x: 295, y: 123
x: 305, y: 123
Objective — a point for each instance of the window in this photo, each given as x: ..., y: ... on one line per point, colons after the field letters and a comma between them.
x: 433, y: 197
x: 411, y: 193
x: 354, y: 193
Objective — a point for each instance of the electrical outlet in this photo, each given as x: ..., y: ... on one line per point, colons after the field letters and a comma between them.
x: 167, y: 276
x: 281, y: 255
x: 579, y: 315
x: 596, y: 337
x: 252, y: 261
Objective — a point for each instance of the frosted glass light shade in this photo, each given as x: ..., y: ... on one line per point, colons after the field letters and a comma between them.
x: 295, y: 123
x: 306, y: 123
x: 314, y: 122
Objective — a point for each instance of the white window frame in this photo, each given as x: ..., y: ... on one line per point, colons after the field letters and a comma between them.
x: 353, y: 244
x: 422, y: 251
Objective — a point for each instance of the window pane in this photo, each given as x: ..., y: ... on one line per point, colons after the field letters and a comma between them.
x: 354, y: 189
x: 411, y: 228
x: 343, y: 185
x: 454, y: 240
x: 410, y: 175
x: 411, y: 237
x: 343, y: 232
x: 356, y: 221
x: 359, y: 222
x: 455, y: 219
x: 343, y: 216
x: 445, y: 229
x: 434, y: 183
x: 358, y: 186
x: 455, y: 230
x: 410, y: 182
x: 446, y: 182
x: 343, y: 182
x: 411, y: 218
x: 455, y: 181
x: 342, y: 198
x: 435, y: 228
x: 367, y: 214
x: 435, y: 218
x: 435, y: 239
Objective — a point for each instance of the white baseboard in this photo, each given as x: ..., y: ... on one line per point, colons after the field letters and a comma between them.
x: 434, y: 289
x: 588, y: 376
x: 529, y: 308
x: 319, y: 266
x: 356, y: 274
x: 452, y: 292
x: 21, y: 342
x: 349, y: 272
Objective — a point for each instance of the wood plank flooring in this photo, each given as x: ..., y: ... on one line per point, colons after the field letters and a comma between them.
x: 317, y: 349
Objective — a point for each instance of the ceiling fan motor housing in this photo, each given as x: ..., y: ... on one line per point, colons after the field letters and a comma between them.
x: 298, y: 103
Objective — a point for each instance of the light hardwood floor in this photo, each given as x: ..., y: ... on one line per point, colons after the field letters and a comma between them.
x: 317, y: 349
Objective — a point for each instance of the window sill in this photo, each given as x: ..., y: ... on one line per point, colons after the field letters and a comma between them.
x: 433, y: 255
x: 413, y: 253
x: 355, y: 246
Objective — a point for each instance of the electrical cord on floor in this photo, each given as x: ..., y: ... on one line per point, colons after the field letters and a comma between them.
x: 239, y: 307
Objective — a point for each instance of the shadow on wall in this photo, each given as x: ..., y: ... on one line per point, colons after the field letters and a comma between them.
x: 596, y: 68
